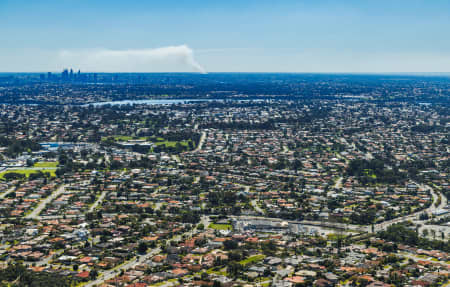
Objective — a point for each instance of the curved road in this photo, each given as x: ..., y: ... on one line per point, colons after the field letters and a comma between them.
x: 415, y: 216
x: 368, y: 228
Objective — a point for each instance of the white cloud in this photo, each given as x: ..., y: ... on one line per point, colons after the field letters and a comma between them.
x: 164, y: 59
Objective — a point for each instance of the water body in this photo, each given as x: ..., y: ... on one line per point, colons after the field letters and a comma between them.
x: 150, y: 102
x: 170, y: 101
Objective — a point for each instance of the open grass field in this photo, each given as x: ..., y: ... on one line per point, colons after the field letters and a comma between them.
x: 220, y: 226
x: 46, y: 164
x: 124, y: 138
x: 222, y: 271
x: 252, y: 259
x: 172, y: 143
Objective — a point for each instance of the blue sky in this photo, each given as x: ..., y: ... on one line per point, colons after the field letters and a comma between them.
x: 231, y: 36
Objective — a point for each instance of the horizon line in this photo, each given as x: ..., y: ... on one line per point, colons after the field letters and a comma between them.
x: 263, y: 72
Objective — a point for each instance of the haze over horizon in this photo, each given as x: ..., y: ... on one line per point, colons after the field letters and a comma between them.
x: 236, y: 36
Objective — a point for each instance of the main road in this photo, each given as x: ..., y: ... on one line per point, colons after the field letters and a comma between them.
x: 415, y: 216
x: 35, y: 213
x: 200, y: 142
x: 368, y: 228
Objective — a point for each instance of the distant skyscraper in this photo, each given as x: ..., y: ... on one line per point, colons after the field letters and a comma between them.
x: 65, y: 75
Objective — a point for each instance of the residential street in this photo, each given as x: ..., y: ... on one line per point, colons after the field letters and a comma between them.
x: 35, y: 213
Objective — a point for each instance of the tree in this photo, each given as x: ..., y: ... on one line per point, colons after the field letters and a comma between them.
x: 204, y: 276
x: 13, y: 175
x: 30, y: 162
x: 423, y: 216
x: 93, y: 274
x: 230, y: 244
x: 19, y: 275
x: 116, y: 164
x: 142, y: 247
x: 234, y: 269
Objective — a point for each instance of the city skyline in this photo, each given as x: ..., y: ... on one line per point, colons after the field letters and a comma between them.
x: 246, y: 36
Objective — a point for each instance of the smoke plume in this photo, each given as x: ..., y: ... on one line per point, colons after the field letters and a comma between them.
x: 164, y: 59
